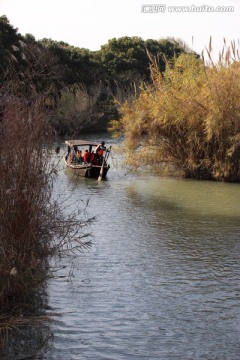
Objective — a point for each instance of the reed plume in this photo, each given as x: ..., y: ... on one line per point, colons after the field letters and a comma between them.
x: 189, y: 117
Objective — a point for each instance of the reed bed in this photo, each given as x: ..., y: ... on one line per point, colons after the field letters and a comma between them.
x: 33, y: 227
x: 189, y: 116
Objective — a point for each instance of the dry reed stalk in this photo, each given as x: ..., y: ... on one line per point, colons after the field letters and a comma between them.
x: 191, y: 116
x: 32, y: 227
x: 9, y: 324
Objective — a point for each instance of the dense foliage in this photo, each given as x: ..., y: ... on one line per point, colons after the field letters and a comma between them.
x: 113, y: 72
x: 190, y: 117
x: 11, y: 47
x: 21, y: 57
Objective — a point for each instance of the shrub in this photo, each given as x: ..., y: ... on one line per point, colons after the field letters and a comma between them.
x: 77, y: 110
x: 189, y: 116
x: 32, y: 226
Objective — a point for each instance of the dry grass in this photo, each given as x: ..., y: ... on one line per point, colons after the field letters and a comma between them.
x: 10, y: 323
x: 33, y: 227
x: 189, y: 117
x: 77, y: 110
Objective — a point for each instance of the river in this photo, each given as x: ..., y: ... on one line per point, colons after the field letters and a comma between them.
x: 162, y: 277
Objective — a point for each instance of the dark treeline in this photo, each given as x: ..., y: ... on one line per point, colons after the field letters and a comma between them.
x: 80, y: 85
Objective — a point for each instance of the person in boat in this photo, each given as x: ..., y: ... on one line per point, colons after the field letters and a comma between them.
x: 86, y: 156
x: 100, y: 149
x: 92, y: 158
x: 74, y: 154
x: 79, y: 156
x: 99, y: 152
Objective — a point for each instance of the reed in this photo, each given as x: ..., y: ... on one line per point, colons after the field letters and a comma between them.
x: 33, y: 227
x: 189, y: 116
x: 78, y: 109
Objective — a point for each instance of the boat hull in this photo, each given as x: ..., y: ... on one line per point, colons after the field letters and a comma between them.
x: 88, y: 170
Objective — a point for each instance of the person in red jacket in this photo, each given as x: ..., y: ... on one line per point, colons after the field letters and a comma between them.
x: 86, y: 156
x: 92, y: 158
x: 100, y: 149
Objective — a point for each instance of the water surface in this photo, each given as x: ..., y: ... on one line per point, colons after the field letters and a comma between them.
x: 161, y: 280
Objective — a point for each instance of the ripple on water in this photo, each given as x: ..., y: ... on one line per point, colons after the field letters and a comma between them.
x: 161, y: 280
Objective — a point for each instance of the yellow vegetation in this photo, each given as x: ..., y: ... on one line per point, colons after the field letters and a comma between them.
x: 189, y: 116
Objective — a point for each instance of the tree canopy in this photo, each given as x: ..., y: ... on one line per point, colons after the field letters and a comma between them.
x: 116, y: 71
x: 130, y: 53
x: 11, y: 48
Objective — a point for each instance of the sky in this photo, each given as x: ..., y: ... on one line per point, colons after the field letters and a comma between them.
x: 91, y: 23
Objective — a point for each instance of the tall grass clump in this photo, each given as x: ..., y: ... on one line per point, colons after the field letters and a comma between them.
x: 35, y: 229
x: 80, y: 109
x: 32, y: 226
x: 189, y: 116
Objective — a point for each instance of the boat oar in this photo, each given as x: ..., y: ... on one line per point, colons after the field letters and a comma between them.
x: 101, y: 171
x: 103, y: 163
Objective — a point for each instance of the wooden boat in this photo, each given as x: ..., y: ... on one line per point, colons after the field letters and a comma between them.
x: 94, y: 166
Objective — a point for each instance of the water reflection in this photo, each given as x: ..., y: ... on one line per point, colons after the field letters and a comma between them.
x: 28, y: 334
x: 161, y: 280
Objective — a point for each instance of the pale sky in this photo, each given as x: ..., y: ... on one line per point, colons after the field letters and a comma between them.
x: 91, y: 23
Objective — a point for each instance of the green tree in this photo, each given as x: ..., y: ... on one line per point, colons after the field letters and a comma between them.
x: 11, y: 48
x: 24, y: 61
x: 80, y: 64
x: 130, y: 53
